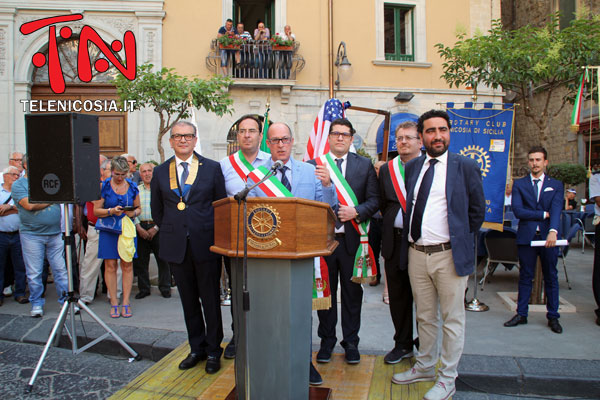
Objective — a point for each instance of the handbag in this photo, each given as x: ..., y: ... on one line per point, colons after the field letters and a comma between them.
x: 110, y: 224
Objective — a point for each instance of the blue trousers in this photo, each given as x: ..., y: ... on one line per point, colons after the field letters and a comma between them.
x: 528, y: 258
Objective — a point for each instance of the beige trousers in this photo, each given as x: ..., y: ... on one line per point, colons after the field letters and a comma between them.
x: 90, y: 268
x: 435, y: 283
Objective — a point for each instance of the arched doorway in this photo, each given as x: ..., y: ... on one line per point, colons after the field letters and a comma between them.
x: 112, y: 124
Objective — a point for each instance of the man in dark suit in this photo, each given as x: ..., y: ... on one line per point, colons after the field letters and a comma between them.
x: 537, y: 202
x: 360, y: 176
x: 183, y: 189
x: 408, y: 143
x: 445, y: 208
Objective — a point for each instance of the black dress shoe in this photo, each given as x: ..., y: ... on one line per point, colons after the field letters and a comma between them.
x: 21, y: 299
x: 230, y: 349
x: 1, y: 302
x: 141, y: 295
x: 191, y: 360
x: 166, y: 294
x: 352, y: 354
x: 597, y: 320
x: 314, y: 377
x: 516, y: 320
x: 554, y: 325
x: 213, y: 365
x: 396, y: 355
x: 324, y: 355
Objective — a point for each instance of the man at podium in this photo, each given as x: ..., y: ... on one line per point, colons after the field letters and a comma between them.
x: 296, y: 179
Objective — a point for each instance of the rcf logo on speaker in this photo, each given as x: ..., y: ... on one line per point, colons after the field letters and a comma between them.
x: 84, y: 67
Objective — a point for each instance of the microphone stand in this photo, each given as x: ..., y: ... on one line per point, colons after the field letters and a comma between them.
x: 241, y: 197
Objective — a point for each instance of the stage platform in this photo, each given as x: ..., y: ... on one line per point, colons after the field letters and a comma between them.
x: 371, y: 379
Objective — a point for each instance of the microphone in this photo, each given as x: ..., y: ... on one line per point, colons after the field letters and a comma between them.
x: 242, y: 194
x: 277, y: 165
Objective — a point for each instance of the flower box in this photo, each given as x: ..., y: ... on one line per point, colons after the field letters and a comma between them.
x: 283, y: 48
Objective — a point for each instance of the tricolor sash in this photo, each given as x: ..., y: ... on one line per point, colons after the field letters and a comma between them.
x: 397, y: 175
x: 240, y: 164
x: 321, y: 294
x: 365, y: 269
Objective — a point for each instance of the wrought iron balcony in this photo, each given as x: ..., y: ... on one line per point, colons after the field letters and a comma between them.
x: 255, y: 59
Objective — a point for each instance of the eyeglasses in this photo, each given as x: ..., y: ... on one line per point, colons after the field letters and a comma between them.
x: 407, y: 138
x: 12, y: 173
x: 16, y: 159
x: 132, y: 162
x: 250, y: 131
x: 338, y: 134
x: 284, y: 140
x: 187, y: 136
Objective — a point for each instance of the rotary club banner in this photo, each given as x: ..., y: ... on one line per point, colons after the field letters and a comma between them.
x: 485, y: 136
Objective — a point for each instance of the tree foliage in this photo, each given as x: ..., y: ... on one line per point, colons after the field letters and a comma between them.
x: 569, y: 174
x: 529, y: 61
x: 168, y: 94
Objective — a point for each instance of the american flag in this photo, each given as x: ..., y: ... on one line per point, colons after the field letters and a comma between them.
x: 317, y: 141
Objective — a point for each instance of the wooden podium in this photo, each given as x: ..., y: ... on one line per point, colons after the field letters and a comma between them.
x: 273, y: 338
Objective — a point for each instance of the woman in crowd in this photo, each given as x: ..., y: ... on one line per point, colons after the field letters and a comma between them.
x: 119, y: 196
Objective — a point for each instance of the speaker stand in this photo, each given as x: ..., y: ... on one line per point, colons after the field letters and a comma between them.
x: 69, y: 307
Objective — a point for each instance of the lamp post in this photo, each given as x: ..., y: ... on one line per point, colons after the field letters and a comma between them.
x: 344, y: 68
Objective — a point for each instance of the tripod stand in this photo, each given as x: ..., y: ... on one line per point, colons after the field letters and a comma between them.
x: 68, y: 307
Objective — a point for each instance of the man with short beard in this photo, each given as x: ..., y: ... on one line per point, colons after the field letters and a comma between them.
x: 445, y: 208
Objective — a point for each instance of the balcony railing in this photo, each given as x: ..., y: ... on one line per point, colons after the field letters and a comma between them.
x: 255, y: 59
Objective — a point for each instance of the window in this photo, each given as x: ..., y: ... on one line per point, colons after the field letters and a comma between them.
x: 567, y: 10
x: 398, y: 32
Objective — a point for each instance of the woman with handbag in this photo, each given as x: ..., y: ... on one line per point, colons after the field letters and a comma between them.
x: 119, y: 198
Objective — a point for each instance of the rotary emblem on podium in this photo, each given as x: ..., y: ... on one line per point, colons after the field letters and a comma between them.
x: 263, y: 225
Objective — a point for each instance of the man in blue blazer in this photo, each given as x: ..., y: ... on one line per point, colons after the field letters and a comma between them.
x: 182, y: 191
x: 445, y: 208
x: 306, y: 181
x: 537, y: 202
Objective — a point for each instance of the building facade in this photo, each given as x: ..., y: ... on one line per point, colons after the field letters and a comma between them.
x: 390, y: 45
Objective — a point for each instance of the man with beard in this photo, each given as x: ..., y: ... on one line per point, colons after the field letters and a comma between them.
x: 445, y: 208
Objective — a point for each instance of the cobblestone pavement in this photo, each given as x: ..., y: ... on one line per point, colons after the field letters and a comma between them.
x: 63, y: 375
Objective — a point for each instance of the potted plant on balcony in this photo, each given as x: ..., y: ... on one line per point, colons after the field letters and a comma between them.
x: 278, y: 43
x: 230, y: 41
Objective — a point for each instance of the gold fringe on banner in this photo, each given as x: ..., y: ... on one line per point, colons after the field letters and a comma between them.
x: 493, y: 225
x: 574, y: 128
x: 321, y: 303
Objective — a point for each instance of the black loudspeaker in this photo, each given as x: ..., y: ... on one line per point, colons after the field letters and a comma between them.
x: 62, y: 157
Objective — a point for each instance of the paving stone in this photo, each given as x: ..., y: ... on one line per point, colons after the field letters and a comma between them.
x: 19, y: 327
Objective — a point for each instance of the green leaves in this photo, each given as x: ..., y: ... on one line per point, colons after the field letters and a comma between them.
x: 529, y: 61
x: 169, y: 95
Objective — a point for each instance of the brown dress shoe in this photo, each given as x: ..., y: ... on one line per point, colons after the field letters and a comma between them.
x: 21, y: 299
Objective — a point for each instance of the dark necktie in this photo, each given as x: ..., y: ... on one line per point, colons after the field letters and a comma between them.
x: 184, y: 174
x: 417, y: 218
x: 284, y: 179
x: 536, y: 189
x: 338, y: 162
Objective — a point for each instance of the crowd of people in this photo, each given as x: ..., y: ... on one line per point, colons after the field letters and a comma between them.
x: 429, y: 204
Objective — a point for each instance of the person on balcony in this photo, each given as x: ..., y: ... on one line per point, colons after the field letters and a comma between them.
x: 262, y: 49
x: 242, y: 56
x: 227, y: 29
x: 286, y: 56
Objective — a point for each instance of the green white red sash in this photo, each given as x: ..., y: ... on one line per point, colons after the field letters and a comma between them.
x: 240, y: 165
x: 321, y: 293
x: 365, y: 269
x: 397, y: 175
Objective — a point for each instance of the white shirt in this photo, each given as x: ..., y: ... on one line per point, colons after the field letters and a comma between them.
x: 595, y: 191
x: 344, y: 163
x: 434, y: 229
